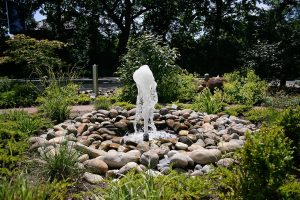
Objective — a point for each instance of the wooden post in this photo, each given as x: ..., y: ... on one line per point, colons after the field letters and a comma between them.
x: 95, y: 80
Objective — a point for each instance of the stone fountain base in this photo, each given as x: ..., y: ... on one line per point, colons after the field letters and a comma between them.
x: 193, y: 141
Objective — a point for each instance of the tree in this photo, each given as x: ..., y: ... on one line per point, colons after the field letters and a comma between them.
x: 33, y: 57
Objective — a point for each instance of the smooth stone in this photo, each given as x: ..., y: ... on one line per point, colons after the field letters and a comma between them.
x: 116, y: 159
x: 149, y: 159
x: 106, y: 131
x: 209, y: 142
x: 83, y: 158
x: 58, y: 140
x: 132, y: 112
x: 83, y: 127
x: 93, y: 153
x: 180, y: 161
x: 185, y: 140
x: 128, y: 167
x: 71, y: 129
x: 195, y: 146
x: 113, y: 113
x: 183, y: 133
x: 206, y: 169
x: 181, y: 146
x: 229, y: 146
x: 92, y: 178
x: 197, y: 173
x: 198, y: 167
x: 104, y: 112
x: 96, y: 166
x: 205, y: 156
x: 225, y: 162
x: 163, y: 111
x: 208, y: 127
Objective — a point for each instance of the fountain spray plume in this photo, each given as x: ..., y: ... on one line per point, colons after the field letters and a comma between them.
x: 146, y: 99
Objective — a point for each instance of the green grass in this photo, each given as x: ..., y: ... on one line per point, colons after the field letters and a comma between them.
x: 61, y: 165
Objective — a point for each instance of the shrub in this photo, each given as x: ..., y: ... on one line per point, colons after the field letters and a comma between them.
x: 102, y: 102
x: 148, y: 186
x: 206, y: 102
x: 61, y: 165
x: 20, y: 188
x: 267, y: 115
x: 248, y: 89
x: 236, y: 110
x: 290, y: 190
x: 24, y: 122
x: 13, y: 145
x: 5, y: 84
x: 81, y: 99
x: 16, y: 127
x: 19, y: 95
x: 125, y: 105
x: 281, y: 100
x: 172, y: 82
x: 56, y: 101
x: 290, y: 121
x: 265, y: 162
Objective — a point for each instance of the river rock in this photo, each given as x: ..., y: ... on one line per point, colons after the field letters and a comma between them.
x: 96, y: 166
x: 83, y: 127
x: 93, y: 153
x: 205, y: 156
x: 181, y: 146
x: 149, y: 159
x: 181, y: 161
x: 229, y: 146
x: 92, y: 178
x: 116, y: 159
x: 225, y: 162
x: 130, y: 166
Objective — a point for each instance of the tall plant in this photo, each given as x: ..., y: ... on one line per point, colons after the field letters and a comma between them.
x: 149, y: 50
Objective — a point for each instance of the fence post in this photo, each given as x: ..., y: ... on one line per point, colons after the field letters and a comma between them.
x: 95, y: 80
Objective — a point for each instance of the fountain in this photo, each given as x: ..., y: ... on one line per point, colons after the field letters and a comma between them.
x: 146, y: 99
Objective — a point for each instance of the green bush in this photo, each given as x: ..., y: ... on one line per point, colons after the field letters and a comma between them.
x: 248, y: 89
x: 290, y: 121
x: 268, y: 115
x: 20, y: 95
x: 15, y: 129
x: 13, y: 145
x: 22, y: 189
x: 5, y: 84
x: 102, y: 102
x: 81, y: 99
x: 281, y: 100
x: 236, y: 110
x: 266, y: 160
x: 206, y: 102
x: 61, y: 165
x: 147, y: 186
x: 125, y: 105
x: 172, y: 82
x: 56, y: 101
x: 290, y: 190
x: 23, y: 122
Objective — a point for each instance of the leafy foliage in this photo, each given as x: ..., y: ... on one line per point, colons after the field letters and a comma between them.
x: 290, y: 121
x: 18, y: 95
x: 206, y: 102
x: 148, y: 186
x: 102, y: 102
x: 37, y: 55
x: 61, y: 164
x: 20, y: 188
x: 267, y: 115
x: 236, y: 110
x: 16, y: 127
x: 248, y: 89
x: 172, y: 82
x: 56, y: 101
x: 265, y: 162
x: 125, y: 105
x: 282, y: 100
